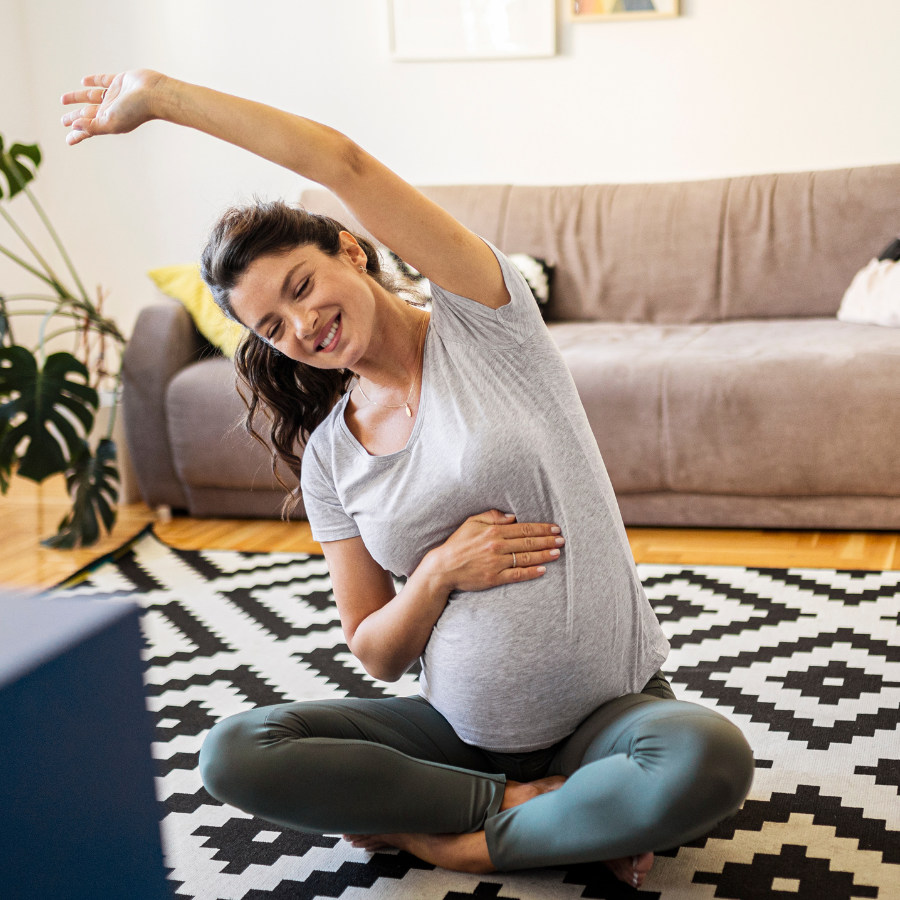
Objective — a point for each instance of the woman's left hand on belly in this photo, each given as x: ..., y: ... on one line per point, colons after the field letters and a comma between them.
x: 492, y: 548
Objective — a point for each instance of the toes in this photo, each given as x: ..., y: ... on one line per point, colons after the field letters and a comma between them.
x: 621, y: 868
x: 368, y: 842
x: 632, y: 870
x: 360, y: 841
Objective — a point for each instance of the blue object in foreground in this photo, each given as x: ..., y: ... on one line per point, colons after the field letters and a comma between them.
x: 78, y: 814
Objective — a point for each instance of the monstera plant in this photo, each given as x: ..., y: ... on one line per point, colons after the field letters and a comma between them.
x: 49, y: 400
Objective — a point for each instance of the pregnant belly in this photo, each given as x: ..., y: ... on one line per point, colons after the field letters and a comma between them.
x: 494, y: 652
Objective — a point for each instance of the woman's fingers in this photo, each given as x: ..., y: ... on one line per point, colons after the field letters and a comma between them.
x: 88, y: 95
x: 532, y: 552
x: 530, y: 530
x: 116, y: 104
x: 493, y: 517
x: 520, y: 573
x: 94, y: 86
x: 82, y: 123
x: 102, y: 81
x: 479, y: 555
x: 529, y: 544
x: 527, y: 560
x: 533, y: 543
x: 80, y: 115
x: 513, y: 529
x: 76, y: 137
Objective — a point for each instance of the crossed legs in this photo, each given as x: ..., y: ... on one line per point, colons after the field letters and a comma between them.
x: 640, y: 774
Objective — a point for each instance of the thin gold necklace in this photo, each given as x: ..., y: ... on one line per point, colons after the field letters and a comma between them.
x: 415, y: 377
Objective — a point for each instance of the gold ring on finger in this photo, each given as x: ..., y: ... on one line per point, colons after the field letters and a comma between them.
x: 514, y: 561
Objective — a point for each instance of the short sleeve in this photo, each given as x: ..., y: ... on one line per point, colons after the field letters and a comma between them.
x: 326, y: 515
x: 462, y: 320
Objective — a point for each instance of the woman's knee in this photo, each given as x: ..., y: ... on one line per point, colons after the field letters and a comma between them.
x: 228, y: 752
x: 728, y: 760
x: 712, y: 765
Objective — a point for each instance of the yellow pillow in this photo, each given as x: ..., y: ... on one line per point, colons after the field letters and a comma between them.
x: 184, y: 284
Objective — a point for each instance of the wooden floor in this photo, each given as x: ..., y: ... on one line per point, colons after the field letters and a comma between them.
x: 29, y: 513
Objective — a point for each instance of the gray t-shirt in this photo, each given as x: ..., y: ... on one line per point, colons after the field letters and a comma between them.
x: 500, y: 425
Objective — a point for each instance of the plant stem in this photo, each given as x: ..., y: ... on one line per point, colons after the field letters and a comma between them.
x: 115, y: 406
x: 57, y: 241
x: 71, y: 310
x: 48, y: 298
x: 43, y: 312
x: 55, y: 334
x: 18, y: 259
x: 61, y: 331
x: 25, y: 240
x: 42, y: 339
x: 4, y: 312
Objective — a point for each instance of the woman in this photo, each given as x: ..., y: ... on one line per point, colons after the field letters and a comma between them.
x: 461, y: 458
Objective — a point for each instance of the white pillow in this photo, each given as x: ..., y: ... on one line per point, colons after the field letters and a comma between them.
x: 873, y: 297
x: 537, y: 272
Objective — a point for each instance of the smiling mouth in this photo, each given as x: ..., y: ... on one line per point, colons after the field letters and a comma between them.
x: 332, y: 333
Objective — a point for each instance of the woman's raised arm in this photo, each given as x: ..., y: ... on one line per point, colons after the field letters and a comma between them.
x: 398, y: 215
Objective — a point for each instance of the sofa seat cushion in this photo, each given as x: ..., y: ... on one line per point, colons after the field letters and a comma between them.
x: 209, y: 446
x: 784, y: 407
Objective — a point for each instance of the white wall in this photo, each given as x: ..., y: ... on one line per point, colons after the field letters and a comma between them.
x: 17, y: 118
x: 731, y: 87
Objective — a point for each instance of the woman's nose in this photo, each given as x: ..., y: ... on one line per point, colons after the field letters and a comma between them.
x: 305, y: 326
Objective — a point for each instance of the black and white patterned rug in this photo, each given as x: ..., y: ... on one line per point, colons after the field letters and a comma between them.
x: 806, y: 662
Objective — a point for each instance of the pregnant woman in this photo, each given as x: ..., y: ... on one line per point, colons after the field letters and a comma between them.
x: 450, y: 448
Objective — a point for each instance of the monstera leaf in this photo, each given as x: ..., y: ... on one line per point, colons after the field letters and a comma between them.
x: 19, y: 166
x: 93, y: 483
x: 46, y: 397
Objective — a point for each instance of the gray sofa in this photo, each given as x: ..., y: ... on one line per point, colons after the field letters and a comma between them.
x: 697, y: 320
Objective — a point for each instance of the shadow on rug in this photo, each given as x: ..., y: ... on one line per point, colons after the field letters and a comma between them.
x: 806, y: 662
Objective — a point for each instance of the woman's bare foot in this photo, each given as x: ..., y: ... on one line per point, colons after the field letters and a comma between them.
x: 469, y: 853
x: 458, y: 852
x: 631, y: 869
x: 519, y: 792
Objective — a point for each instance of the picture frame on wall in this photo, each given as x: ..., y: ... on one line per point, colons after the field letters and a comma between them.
x: 471, y: 29
x: 621, y: 10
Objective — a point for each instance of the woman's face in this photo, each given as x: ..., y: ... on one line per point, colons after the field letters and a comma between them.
x: 315, y: 308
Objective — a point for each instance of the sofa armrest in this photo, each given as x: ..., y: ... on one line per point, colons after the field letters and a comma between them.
x: 164, y: 341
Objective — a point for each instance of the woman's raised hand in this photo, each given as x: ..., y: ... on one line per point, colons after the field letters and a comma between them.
x: 491, y: 548
x: 116, y: 104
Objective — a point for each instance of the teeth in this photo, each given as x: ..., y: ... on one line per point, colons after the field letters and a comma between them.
x: 330, y: 336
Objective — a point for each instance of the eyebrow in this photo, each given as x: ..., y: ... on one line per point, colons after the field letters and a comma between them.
x: 284, y: 289
x: 287, y: 278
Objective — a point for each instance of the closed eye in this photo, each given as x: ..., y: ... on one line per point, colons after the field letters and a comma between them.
x: 274, y: 331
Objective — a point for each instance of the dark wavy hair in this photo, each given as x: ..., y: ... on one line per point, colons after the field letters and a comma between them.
x: 293, y: 396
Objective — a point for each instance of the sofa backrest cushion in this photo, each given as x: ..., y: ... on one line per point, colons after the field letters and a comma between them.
x: 758, y: 246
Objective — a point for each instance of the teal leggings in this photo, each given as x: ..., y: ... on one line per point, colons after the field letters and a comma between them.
x: 645, y: 772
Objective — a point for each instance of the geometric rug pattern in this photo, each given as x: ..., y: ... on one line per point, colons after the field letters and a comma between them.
x: 805, y: 662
